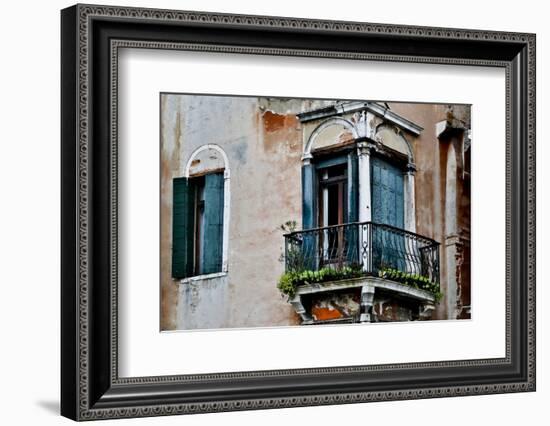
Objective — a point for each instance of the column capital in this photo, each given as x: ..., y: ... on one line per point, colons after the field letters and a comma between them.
x: 306, y: 158
x: 411, y: 168
x: 364, y: 147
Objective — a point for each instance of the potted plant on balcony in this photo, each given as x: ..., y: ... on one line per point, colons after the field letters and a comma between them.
x: 413, y: 280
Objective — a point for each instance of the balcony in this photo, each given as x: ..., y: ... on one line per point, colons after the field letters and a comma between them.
x: 369, y: 263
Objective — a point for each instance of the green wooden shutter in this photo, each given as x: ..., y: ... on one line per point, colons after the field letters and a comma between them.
x: 387, y: 208
x: 309, y: 212
x: 308, y: 196
x: 387, y: 193
x: 353, y: 188
x: 213, y: 223
x: 183, y: 228
x: 352, y: 232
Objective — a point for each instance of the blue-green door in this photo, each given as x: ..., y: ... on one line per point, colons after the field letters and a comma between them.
x: 387, y: 209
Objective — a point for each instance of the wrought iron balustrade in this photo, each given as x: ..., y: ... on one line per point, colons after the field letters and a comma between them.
x: 365, y: 246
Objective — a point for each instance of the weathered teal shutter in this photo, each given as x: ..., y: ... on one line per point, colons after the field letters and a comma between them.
x: 310, y: 240
x: 388, y: 209
x: 352, y: 232
x: 308, y: 196
x: 387, y: 193
x: 353, y: 188
x: 213, y: 223
x: 183, y: 228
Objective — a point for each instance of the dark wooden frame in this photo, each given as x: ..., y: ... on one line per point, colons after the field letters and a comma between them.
x: 90, y: 386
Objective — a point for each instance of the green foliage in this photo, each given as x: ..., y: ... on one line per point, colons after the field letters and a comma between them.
x: 413, y: 280
x: 290, y: 280
x: 286, y: 284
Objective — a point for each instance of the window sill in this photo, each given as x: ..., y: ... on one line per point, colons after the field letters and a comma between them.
x: 202, y: 277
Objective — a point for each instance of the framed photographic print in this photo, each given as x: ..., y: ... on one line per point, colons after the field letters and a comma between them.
x: 263, y: 212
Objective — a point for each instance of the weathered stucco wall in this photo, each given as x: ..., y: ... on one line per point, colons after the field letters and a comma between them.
x: 262, y: 139
x: 442, y: 197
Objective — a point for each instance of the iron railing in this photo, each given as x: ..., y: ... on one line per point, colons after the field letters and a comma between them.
x: 365, y: 246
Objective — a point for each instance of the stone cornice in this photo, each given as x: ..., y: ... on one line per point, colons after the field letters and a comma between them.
x: 356, y: 106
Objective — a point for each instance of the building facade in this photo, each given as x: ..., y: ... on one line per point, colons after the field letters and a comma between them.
x: 360, y: 209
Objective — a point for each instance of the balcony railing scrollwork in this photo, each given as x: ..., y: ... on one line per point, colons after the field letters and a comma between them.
x: 368, y: 247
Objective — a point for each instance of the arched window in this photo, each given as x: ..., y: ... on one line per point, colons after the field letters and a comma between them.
x: 201, y: 215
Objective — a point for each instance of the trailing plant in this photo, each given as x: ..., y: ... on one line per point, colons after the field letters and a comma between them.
x: 286, y: 284
x: 413, y: 280
x: 291, y: 280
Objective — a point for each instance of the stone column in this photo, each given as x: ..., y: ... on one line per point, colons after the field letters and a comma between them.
x: 451, y: 247
x: 363, y: 154
x: 409, y: 198
x: 410, y: 216
x: 364, y: 213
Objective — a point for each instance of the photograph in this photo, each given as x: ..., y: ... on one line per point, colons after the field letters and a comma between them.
x: 278, y: 212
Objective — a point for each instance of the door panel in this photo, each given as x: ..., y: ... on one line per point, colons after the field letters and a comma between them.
x: 333, y: 205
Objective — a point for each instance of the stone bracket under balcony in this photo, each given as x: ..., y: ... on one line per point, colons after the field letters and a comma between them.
x: 380, y: 300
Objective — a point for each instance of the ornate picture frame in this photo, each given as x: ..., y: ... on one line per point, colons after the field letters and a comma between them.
x: 91, y: 37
